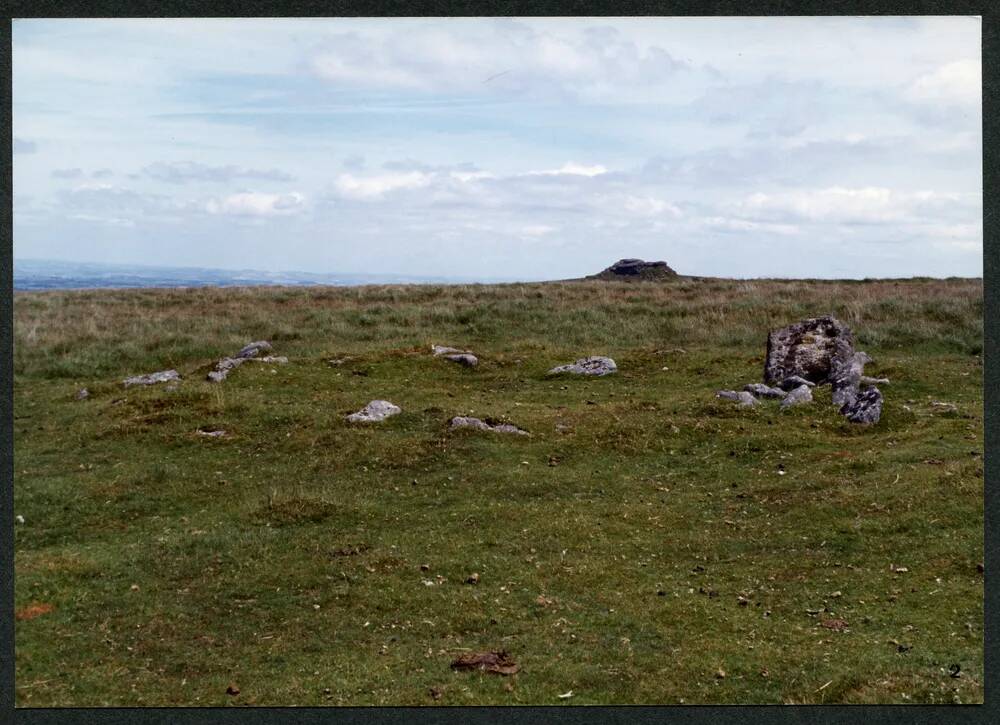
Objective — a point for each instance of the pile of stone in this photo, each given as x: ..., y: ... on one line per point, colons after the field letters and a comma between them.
x: 596, y: 365
x: 816, y: 351
x: 462, y: 357
x: 248, y: 353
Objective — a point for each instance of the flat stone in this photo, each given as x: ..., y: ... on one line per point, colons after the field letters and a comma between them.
x: 794, y: 381
x: 82, y: 394
x: 444, y: 350
x: 224, y: 366
x: 254, y: 349
x: 764, y: 391
x: 461, y: 421
x: 376, y: 411
x: 866, y: 407
x: 596, y: 365
x: 466, y: 359
x: 745, y: 399
x: 798, y: 396
x: 163, y: 376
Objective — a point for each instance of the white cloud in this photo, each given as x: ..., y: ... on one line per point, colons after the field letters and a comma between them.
x: 571, y: 169
x: 958, y: 82
x: 257, y: 204
x: 851, y: 205
x: 373, y: 187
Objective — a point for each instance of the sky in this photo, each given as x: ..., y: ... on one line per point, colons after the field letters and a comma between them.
x: 516, y: 148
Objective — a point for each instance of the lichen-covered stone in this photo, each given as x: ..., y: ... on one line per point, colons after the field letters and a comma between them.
x: 798, y: 396
x: 163, y: 376
x: 461, y: 421
x: 376, y: 411
x: 810, y: 349
x: 745, y: 399
x: 764, y: 391
x: 467, y: 359
x: 866, y: 407
x: 596, y: 365
x: 794, y: 381
x: 254, y: 349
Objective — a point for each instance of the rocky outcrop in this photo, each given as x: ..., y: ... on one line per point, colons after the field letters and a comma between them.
x: 596, y: 365
x: 461, y: 421
x: 811, y: 349
x: 375, y: 412
x: 636, y: 269
x: 164, y: 376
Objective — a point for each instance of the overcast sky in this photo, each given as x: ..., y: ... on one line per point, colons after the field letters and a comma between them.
x: 515, y: 148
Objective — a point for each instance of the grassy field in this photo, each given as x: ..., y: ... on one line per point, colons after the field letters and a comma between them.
x: 641, y: 546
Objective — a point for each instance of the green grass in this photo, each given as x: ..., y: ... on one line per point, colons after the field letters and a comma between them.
x: 613, y: 545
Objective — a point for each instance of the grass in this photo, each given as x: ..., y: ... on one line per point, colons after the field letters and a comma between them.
x: 638, y: 546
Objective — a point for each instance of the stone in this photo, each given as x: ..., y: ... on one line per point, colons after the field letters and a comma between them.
x: 461, y: 421
x: 794, y: 381
x: 596, y: 365
x: 865, y: 407
x: 444, y: 350
x: 224, y: 366
x: 254, y: 349
x: 636, y: 269
x: 764, y: 391
x: 82, y: 394
x: 163, y: 376
x: 272, y: 359
x: 845, y: 378
x: 376, y: 411
x: 865, y: 380
x: 467, y: 359
x: 798, y: 396
x: 811, y: 349
x: 212, y: 433
x: 745, y: 399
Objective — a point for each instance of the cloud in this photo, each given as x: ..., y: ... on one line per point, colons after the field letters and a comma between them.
x: 23, y: 146
x: 867, y: 205
x: 102, y: 174
x: 371, y: 187
x: 182, y: 172
x: 572, y: 169
x: 959, y: 82
x: 67, y: 173
x: 499, y: 56
x: 256, y: 204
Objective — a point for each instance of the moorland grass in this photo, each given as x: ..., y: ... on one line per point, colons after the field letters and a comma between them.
x: 641, y: 546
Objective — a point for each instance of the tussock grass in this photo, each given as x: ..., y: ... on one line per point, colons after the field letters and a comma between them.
x: 640, y: 540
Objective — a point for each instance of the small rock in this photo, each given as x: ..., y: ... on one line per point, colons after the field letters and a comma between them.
x: 473, y: 578
x: 743, y: 398
x: 164, y: 376
x: 794, y: 381
x: 212, y: 433
x: 461, y: 421
x: 595, y: 365
x: 467, y: 359
x: 20, y: 519
x: 82, y: 394
x: 866, y: 407
x: 233, y: 689
x: 799, y: 396
x: 254, y: 349
x: 720, y: 673
x: 764, y: 391
x: 438, y: 350
x: 374, y: 412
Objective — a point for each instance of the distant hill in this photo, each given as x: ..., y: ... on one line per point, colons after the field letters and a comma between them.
x: 38, y: 274
x: 636, y: 270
